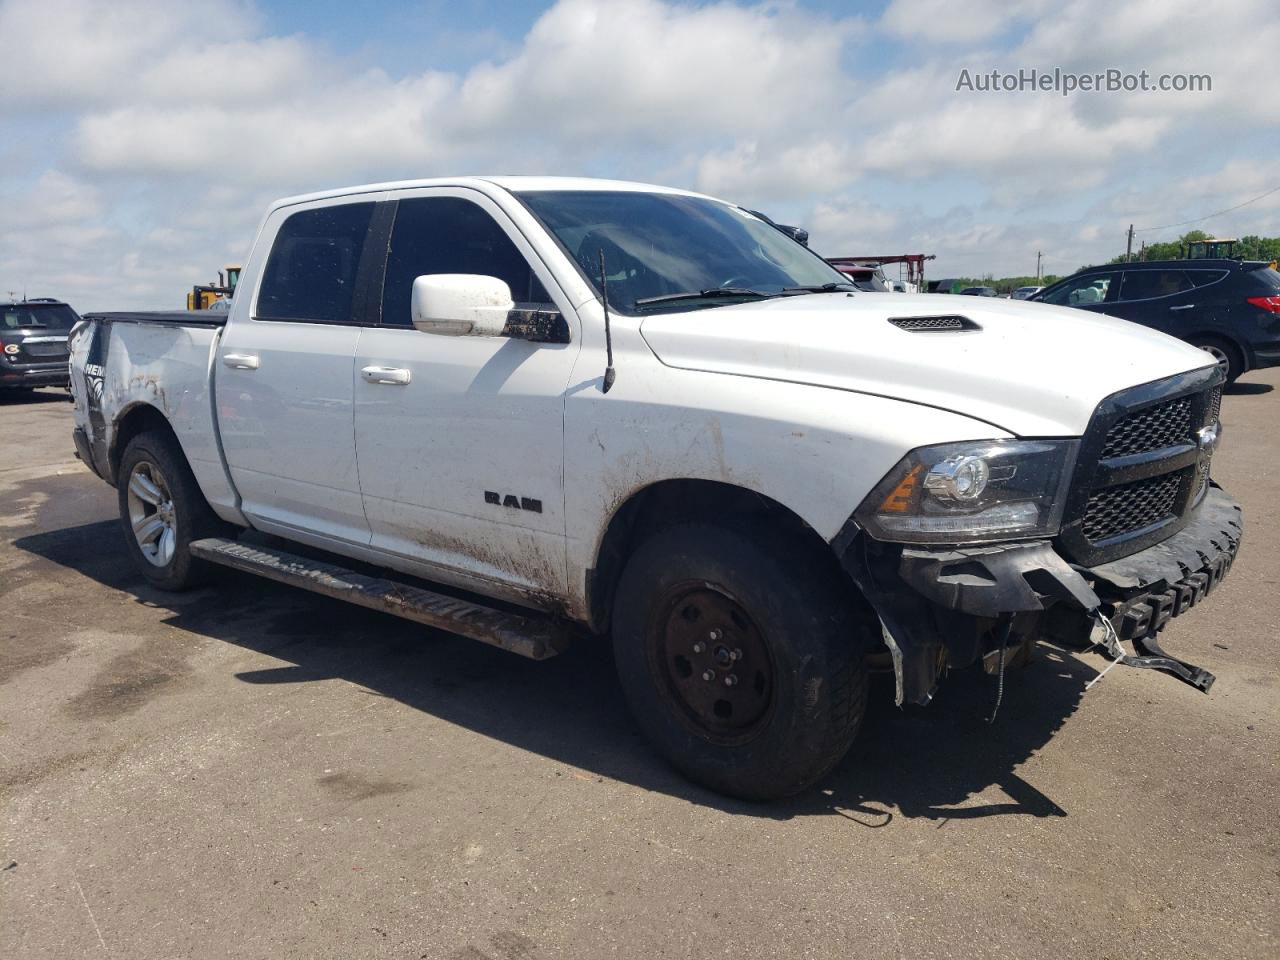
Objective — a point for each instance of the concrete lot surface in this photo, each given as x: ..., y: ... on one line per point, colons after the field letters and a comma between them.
x: 252, y: 771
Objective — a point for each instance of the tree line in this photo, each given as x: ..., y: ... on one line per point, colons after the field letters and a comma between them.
x: 1246, y: 248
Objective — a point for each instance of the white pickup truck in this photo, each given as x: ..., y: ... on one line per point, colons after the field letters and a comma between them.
x: 533, y: 409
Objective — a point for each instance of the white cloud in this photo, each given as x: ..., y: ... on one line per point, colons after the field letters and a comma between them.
x: 73, y: 52
x: 53, y: 199
x: 143, y: 159
x: 644, y: 68
x: 750, y: 169
x: 946, y: 21
x: 588, y: 75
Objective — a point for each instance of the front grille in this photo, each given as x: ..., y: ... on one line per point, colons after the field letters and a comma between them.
x: 1141, y: 468
x: 1131, y: 506
x: 1155, y: 428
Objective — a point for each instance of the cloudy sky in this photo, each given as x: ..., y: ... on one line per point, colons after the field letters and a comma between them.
x: 141, y: 139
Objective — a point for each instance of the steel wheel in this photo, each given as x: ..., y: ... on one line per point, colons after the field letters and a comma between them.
x: 151, y: 514
x: 714, y: 663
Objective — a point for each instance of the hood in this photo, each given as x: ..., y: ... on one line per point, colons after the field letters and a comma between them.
x: 1029, y: 368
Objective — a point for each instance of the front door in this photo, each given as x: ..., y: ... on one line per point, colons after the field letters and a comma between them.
x: 284, y: 380
x: 459, y: 440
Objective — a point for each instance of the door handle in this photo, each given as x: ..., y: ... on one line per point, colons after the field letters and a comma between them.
x: 1185, y: 306
x: 395, y: 376
x: 240, y: 361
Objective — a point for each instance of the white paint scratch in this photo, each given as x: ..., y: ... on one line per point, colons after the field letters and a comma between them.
x: 92, y: 918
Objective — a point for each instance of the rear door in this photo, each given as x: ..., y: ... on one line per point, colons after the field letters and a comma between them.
x: 461, y: 451
x: 284, y: 377
x: 1163, y: 299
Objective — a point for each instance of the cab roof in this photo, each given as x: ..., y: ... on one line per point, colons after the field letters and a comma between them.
x: 512, y: 184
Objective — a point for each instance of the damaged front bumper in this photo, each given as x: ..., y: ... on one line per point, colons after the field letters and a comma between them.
x: 1030, y: 589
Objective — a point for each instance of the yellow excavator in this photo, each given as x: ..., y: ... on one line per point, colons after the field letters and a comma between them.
x: 210, y: 296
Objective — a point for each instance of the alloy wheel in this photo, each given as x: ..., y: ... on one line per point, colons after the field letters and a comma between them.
x: 151, y: 514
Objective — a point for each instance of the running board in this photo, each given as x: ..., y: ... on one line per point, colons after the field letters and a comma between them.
x: 529, y: 635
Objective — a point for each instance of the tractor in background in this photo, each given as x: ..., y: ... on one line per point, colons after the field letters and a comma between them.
x: 215, y: 296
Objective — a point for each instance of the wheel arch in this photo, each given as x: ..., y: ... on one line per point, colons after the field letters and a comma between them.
x: 665, y: 503
x: 1240, y: 346
x: 136, y: 419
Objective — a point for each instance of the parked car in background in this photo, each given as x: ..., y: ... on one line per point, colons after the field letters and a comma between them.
x: 34, y: 337
x: 1025, y: 293
x: 867, y: 277
x: 978, y: 292
x: 1229, y: 307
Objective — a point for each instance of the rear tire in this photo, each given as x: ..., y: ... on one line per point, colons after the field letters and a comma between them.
x: 1227, y: 354
x: 163, y: 511
x: 743, y: 664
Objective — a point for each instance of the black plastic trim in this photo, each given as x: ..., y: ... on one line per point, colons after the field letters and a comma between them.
x: 366, y: 302
x: 1093, y: 474
x: 935, y: 323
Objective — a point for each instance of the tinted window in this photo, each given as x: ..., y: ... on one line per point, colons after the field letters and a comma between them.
x: 1265, y: 280
x: 1146, y: 284
x: 1202, y: 278
x: 311, y: 272
x: 55, y: 316
x: 1081, y: 291
x: 450, y: 235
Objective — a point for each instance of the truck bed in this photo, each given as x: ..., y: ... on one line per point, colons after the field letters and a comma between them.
x: 168, y: 318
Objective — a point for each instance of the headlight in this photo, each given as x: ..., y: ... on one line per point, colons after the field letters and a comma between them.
x: 972, y: 491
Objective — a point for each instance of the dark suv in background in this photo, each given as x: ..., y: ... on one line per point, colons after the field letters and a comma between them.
x: 1229, y: 307
x: 33, y: 343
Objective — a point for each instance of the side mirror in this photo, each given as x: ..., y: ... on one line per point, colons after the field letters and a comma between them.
x: 461, y: 304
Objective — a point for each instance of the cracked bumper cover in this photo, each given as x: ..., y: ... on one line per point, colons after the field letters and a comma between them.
x: 971, y: 589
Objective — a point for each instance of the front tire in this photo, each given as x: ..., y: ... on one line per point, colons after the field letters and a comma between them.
x: 163, y: 511
x: 743, y: 665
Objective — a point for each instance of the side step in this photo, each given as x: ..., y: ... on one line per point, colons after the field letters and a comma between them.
x: 529, y: 635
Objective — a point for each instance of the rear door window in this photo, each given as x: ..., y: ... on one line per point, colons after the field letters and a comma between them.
x: 1202, y: 278
x: 451, y: 235
x: 311, y: 273
x: 1149, y: 284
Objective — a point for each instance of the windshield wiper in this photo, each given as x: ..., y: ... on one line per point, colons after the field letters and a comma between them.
x: 822, y: 288
x: 704, y: 295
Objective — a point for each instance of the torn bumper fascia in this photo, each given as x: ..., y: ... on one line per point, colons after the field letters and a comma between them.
x: 970, y: 589
x: 1143, y: 592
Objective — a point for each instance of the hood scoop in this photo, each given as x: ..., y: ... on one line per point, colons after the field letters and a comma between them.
x: 934, y: 324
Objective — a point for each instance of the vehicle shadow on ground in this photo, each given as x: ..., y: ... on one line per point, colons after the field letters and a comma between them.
x: 1239, y: 389
x: 27, y: 398
x: 941, y: 762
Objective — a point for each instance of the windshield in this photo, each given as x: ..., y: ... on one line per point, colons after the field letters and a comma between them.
x: 663, y: 244
x: 53, y: 316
